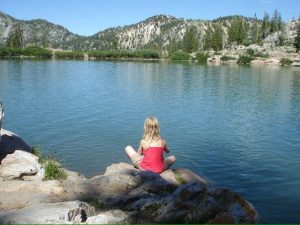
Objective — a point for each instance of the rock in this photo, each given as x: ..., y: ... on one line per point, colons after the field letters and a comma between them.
x: 21, y: 165
x: 49, y: 213
x: 1, y: 117
x: 272, y: 61
x: 257, y: 62
x: 15, y: 194
x: 181, y: 176
x: 109, y: 217
x: 11, y: 142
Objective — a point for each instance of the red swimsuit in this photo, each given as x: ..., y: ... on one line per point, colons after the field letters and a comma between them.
x: 153, y: 159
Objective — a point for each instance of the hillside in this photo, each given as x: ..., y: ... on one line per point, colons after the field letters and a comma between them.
x: 158, y: 32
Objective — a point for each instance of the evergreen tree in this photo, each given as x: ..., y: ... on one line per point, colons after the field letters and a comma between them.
x: 297, y: 38
x: 15, y: 37
x: 266, y: 25
x: 45, y: 41
x: 217, y: 38
x: 190, y: 41
x: 208, y: 38
x: 255, y: 31
x: 276, y: 22
x: 237, y: 31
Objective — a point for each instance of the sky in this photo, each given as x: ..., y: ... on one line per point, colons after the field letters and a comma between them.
x: 87, y: 17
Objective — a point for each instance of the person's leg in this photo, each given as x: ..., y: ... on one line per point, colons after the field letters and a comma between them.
x: 169, y: 161
x: 133, y: 155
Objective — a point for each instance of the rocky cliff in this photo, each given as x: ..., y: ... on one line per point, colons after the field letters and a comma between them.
x: 122, y: 195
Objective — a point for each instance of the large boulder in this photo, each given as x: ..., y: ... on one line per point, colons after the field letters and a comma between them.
x: 10, y: 142
x: 21, y: 165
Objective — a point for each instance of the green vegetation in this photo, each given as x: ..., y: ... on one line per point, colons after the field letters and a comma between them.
x: 15, y: 37
x: 180, y: 55
x: 140, y: 54
x: 179, y: 178
x: 285, y: 61
x: 69, y: 55
x: 37, y: 151
x: 245, y: 59
x: 53, y: 169
x: 202, y: 57
x: 250, y: 51
x: 214, y: 38
x: 94, y: 202
x: 190, y: 40
x: 261, y: 55
x: 227, y: 58
x: 29, y: 51
x: 237, y: 31
x: 297, y: 38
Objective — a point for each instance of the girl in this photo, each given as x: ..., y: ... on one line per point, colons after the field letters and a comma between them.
x: 150, y: 153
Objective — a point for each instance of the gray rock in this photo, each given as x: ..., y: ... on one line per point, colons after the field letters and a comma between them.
x: 20, y: 165
x: 11, y: 142
x: 49, y: 213
x: 109, y: 217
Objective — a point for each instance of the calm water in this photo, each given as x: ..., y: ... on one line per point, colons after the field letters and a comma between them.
x: 238, y: 127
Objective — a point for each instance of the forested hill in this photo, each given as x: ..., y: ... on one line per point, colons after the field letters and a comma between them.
x: 158, y: 32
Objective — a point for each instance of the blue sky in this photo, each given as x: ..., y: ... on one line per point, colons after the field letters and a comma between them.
x: 87, y: 17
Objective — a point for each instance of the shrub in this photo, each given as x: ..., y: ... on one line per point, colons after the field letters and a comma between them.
x: 250, y: 51
x: 202, y: 57
x: 180, y: 55
x: 37, y: 151
x: 262, y: 55
x: 285, y: 61
x: 227, y: 58
x: 245, y: 59
x: 69, y: 55
x: 53, y: 170
x: 141, y: 54
x: 37, y: 52
x: 52, y: 167
x: 29, y: 51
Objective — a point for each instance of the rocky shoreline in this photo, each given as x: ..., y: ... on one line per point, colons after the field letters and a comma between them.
x: 121, y: 195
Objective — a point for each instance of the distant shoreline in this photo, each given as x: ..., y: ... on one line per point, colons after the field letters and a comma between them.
x: 252, y: 55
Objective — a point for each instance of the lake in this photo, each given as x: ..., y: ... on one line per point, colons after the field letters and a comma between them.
x: 237, y: 126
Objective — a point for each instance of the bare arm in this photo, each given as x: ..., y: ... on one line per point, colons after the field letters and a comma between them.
x: 140, y: 149
x: 166, y: 147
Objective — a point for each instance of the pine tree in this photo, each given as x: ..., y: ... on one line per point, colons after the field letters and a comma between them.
x: 217, y: 38
x: 237, y: 31
x: 255, y: 31
x: 190, y: 41
x: 15, y: 37
x: 297, y: 38
x: 266, y: 26
x: 208, y: 38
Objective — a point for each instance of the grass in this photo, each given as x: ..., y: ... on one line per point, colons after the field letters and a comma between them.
x: 139, y: 54
x: 32, y: 51
x: 53, y: 170
x: 227, y: 58
x: 180, y: 56
x: 69, y: 55
x: 52, y: 167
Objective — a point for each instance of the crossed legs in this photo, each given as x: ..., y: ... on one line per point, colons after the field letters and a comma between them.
x: 136, y: 158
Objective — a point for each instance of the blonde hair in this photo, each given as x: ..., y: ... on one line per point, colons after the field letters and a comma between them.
x: 151, y: 129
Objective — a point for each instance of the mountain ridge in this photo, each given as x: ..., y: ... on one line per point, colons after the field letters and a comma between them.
x: 156, y: 32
